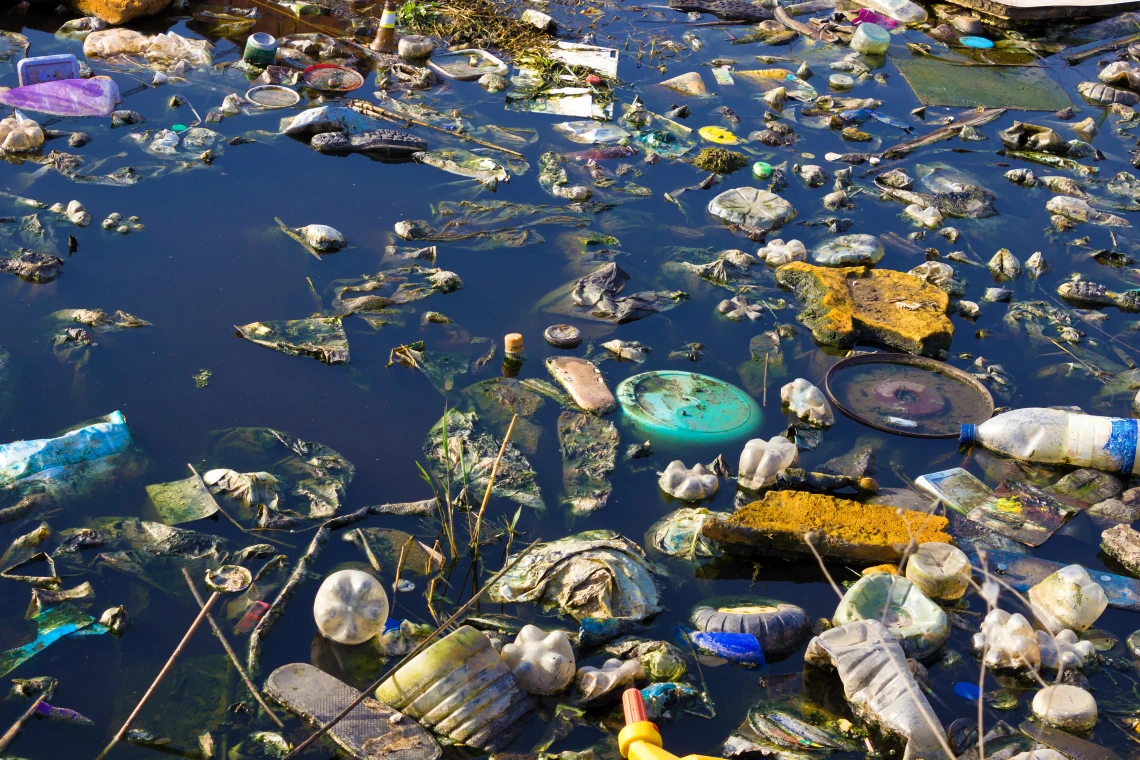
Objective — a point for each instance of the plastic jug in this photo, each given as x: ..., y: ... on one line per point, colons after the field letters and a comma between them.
x: 1052, y: 436
x: 903, y: 11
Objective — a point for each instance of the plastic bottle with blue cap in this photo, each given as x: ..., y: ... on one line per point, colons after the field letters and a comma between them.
x: 1054, y: 436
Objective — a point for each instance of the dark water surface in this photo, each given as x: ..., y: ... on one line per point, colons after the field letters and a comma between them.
x: 211, y: 257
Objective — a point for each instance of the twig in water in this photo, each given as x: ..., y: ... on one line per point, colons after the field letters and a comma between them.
x: 421, y: 647
x: 161, y: 674
x: 490, y: 484
x: 765, y: 401
x: 230, y: 652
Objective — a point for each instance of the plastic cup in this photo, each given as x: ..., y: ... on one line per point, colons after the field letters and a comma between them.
x: 871, y: 39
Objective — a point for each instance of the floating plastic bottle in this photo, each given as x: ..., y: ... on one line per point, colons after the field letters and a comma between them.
x: 1052, y: 436
x: 903, y: 11
x: 871, y: 39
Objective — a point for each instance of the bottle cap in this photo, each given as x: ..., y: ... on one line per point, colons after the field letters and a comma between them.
x: 966, y: 435
x: 513, y: 343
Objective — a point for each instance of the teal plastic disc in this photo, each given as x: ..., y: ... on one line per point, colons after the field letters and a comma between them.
x: 687, y: 408
x: 180, y: 127
x: 976, y: 42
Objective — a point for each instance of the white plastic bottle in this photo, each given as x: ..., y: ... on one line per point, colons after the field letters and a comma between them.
x: 1051, y: 436
x: 903, y: 11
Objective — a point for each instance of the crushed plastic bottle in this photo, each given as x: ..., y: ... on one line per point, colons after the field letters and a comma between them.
x: 1053, y: 436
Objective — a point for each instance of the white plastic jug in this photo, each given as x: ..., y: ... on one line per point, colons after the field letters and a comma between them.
x: 1052, y: 436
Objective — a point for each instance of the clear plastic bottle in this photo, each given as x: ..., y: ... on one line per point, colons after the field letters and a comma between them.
x: 1052, y: 436
x: 903, y: 11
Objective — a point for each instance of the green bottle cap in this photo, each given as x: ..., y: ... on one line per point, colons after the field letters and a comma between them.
x: 687, y: 408
x: 180, y: 127
x: 761, y: 170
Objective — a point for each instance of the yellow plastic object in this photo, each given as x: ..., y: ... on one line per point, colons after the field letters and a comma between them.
x: 641, y: 741
x: 718, y: 135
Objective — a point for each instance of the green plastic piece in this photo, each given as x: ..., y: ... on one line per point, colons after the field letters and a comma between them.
x: 687, y: 408
x: 938, y: 83
x: 180, y: 127
x: 761, y: 170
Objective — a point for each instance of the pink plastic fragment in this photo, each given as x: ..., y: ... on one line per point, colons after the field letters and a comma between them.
x: 868, y: 16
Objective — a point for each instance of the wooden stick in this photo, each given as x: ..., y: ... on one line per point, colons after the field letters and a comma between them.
x: 490, y: 483
x: 10, y: 734
x: 161, y: 674
x: 229, y: 651
x: 374, y: 110
x: 765, y: 401
x: 421, y: 647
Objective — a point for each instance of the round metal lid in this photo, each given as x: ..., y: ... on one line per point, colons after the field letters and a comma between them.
x: 908, y: 395
x: 687, y: 407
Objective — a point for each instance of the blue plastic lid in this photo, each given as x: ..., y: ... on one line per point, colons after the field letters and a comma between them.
x: 976, y: 42
x: 688, y: 408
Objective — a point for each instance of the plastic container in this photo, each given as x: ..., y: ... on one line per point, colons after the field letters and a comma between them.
x: 919, y: 624
x: 685, y: 408
x: 458, y: 687
x: 871, y: 39
x: 1069, y: 598
x: 47, y: 68
x: 260, y: 49
x: 903, y: 11
x: 1052, y: 436
x: 351, y: 607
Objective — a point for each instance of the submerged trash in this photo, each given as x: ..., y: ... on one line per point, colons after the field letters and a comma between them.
x: 351, y: 607
x: 694, y: 483
x: 920, y: 625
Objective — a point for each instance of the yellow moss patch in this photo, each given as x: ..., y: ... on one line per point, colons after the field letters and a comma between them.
x: 890, y: 569
x: 846, y: 304
x: 799, y: 512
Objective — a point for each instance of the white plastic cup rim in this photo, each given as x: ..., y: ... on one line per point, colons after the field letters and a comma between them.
x: 262, y: 41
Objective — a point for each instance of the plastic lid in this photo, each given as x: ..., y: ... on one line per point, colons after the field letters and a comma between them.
x: 761, y: 170
x: 718, y: 135
x: 179, y: 127
x: 272, y: 96
x: 688, y: 408
x: 332, y: 78
x: 976, y: 42
x: 967, y: 434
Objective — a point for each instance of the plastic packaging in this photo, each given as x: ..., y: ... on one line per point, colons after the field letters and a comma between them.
x: 919, y: 624
x: 1069, y: 598
x: 807, y: 402
x: 871, y: 39
x: 761, y: 460
x: 23, y: 458
x: 903, y: 11
x: 351, y: 607
x: 597, y: 682
x: 694, y: 483
x: 1052, y: 436
x: 461, y: 689
x: 542, y: 662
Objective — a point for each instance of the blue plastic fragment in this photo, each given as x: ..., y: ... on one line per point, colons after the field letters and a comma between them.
x: 659, y: 696
x: 967, y: 691
x: 976, y: 42
x: 742, y: 648
x: 20, y: 459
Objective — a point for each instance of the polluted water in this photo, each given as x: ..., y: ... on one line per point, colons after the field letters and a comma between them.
x: 489, y: 378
